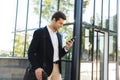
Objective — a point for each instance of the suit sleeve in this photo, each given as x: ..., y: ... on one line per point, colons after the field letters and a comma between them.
x: 62, y: 50
x: 33, y: 50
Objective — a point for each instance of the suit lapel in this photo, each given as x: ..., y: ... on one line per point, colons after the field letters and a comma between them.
x: 59, y: 40
x: 48, y: 37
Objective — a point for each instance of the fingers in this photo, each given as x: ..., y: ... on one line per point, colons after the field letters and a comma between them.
x: 69, y: 44
x: 38, y: 73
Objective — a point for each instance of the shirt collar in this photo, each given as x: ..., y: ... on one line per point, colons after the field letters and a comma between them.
x: 50, y: 29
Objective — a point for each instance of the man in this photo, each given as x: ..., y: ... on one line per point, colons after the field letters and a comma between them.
x: 48, y: 41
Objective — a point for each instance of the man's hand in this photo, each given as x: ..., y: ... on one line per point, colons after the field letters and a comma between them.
x: 38, y: 73
x: 69, y: 44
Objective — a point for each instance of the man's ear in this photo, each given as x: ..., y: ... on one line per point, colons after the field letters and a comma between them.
x: 54, y: 19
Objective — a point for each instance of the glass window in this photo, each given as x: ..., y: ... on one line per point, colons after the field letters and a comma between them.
x: 98, y: 56
x: 87, y: 44
x: 28, y: 40
x: 105, y: 21
x: 112, y: 47
x: 21, y: 16
x: 113, y: 15
x: 7, y: 23
x: 85, y: 71
x: 48, y: 8
x: 112, y: 71
x: 88, y: 11
x: 34, y: 13
x: 98, y: 7
x: 19, y: 44
x: 67, y: 6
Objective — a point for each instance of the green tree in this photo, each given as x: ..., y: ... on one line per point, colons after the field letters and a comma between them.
x: 19, y: 45
x: 50, y: 6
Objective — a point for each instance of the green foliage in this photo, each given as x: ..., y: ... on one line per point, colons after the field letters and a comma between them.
x: 4, y: 53
x: 51, y: 6
x: 19, y: 45
x: 85, y: 3
x: 36, y: 3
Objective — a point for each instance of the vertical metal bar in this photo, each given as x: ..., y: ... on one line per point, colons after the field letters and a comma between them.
x: 117, y: 59
x: 93, y: 39
x: 40, y: 13
x: 75, y: 72
x: 15, y: 27
x: 102, y: 76
x: 94, y: 13
x: 102, y: 14
x: 26, y: 28
x: 108, y: 35
x: 58, y: 7
x: 105, y: 76
x: 97, y: 41
x: 92, y: 52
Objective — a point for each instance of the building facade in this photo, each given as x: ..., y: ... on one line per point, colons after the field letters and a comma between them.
x: 93, y: 23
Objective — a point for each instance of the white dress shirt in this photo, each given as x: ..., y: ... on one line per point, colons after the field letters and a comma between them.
x: 54, y: 40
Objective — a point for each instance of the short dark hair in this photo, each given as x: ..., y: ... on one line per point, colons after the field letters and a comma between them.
x: 57, y: 15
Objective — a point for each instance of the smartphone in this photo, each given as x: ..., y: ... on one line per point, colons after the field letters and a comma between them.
x: 73, y: 38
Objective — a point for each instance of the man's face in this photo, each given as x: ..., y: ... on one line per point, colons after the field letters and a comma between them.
x: 58, y: 24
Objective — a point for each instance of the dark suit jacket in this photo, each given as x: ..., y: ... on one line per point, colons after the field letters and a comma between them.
x: 40, y: 44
